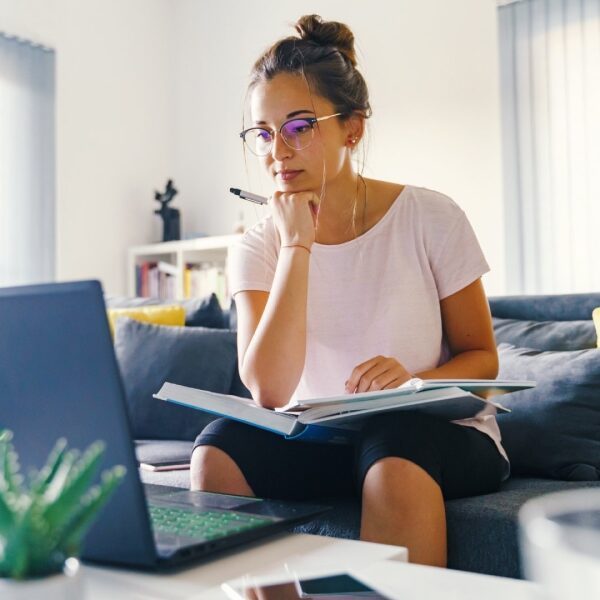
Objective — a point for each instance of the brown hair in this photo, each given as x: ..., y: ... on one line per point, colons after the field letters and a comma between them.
x: 323, y: 52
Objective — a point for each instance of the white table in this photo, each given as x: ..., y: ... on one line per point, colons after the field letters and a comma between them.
x: 416, y: 582
x: 270, y: 558
x: 382, y: 567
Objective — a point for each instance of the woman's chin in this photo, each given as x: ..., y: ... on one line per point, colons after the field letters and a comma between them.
x: 289, y: 187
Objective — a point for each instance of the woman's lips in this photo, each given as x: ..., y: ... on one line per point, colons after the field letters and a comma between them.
x: 288, y: 175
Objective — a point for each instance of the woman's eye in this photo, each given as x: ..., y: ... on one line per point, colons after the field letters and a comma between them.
x: 263, y: 135
x: 300, y: 128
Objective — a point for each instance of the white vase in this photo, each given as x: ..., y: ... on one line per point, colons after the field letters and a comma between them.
x: 560, y: 543
x: 61, y: 586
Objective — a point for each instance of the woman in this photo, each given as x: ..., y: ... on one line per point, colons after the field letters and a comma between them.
x: 352, y: 284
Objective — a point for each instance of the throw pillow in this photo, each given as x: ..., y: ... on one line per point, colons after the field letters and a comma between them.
x: 553, y: 429
x: 545, y: 335
x: 204, y: 312
x: 148, y: 355
x: 162, y: 314
x: 596, y: 318
x: 199, y: 312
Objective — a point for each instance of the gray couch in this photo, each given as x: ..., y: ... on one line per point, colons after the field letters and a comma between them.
x: 552, y: 436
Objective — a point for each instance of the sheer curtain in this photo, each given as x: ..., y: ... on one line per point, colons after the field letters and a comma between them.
x: 27, y: 162
x: 550, y: 71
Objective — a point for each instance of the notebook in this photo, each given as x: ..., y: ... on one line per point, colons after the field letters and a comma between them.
x: 59, y: 378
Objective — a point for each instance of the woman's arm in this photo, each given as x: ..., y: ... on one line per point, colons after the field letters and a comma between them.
x: 467, y: 324
x: 272, y: 326
x: 272, y: 331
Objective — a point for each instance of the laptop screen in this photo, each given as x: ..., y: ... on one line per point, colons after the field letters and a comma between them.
x: 59, y: 378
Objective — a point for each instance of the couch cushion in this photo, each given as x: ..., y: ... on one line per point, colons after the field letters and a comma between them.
x: 199, y: 312
x: 483, y: 530
x: 151, y: 450
x: 162, y: 314
x: 545, y: 335
x: 149, y: 355
x: 553, y: 429
x: 596, y: 318
x: 547, y: 307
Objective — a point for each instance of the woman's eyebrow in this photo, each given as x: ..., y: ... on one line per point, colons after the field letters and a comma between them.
x: 290, y: 115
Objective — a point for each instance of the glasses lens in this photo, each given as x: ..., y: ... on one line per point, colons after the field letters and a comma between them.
x: 259, y: 141
x: 297, y: 133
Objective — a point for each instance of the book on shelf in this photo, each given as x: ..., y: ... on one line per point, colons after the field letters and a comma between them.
x: 156, y: 280
x: 202, y: 279
x: 336, y: 419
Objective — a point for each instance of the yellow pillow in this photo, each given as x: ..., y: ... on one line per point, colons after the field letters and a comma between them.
x: 596, y: 317
x: 162, y: 314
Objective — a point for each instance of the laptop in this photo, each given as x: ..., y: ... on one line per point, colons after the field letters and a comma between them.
x: 59, y: 378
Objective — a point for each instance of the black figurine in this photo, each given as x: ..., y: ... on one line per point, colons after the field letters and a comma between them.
x: 170, y: 216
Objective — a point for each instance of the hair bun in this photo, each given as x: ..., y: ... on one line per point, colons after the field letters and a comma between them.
x: 327, y: 33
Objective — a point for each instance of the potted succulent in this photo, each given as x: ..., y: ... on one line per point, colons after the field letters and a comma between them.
x: 44, y: 518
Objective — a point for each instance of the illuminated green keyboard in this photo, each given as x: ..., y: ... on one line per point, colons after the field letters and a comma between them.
x: 209, y: 525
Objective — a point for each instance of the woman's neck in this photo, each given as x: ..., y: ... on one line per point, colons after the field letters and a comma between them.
x: 343, y: 210
x: 340, y: 222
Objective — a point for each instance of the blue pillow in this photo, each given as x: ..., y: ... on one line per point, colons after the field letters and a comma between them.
x: 148, y: 355
x: 203, y: 312
x: 546, y: 335
x: 554, y: 429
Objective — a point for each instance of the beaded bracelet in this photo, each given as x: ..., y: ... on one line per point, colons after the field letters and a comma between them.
x: 296, y: 246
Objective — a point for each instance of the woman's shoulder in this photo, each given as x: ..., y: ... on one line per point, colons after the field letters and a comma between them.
x: 413, y: 200
x: 262, y: 234
x: 427, y: 198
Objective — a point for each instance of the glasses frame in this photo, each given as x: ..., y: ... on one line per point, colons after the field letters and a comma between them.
x: 312, y: 121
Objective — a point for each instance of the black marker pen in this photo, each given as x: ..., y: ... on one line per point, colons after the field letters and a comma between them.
x: 249, y: 196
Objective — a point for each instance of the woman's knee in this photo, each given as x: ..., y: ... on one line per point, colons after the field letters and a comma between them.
x: 204, y: 462
x: 394, y: 470
x: 213, y: 470
x: 400, y: 448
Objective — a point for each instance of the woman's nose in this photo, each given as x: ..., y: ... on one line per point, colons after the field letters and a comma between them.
x: 279, y: 149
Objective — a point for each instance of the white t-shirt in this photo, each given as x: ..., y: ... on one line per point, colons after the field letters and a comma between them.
x: 378, y: 294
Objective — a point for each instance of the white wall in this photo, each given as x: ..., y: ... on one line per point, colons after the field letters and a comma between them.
x: 115, y: 114
x: 432, y: 70
x: 148, y: 89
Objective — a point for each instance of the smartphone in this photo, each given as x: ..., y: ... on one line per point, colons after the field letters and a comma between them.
x: 332, y: 587
x: 335, y: 586
x: 165, y: 465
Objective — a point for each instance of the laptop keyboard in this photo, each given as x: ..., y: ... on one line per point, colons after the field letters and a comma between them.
x: 208, y: 525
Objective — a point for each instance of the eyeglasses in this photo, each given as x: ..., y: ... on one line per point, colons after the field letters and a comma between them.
x: 296, y: 133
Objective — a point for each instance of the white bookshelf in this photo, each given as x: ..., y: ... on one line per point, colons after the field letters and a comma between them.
x: 178, y: 254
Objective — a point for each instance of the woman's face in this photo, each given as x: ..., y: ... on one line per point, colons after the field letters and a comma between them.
x: 285, y: 97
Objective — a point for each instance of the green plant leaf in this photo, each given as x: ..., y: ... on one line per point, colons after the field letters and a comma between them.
x: 91, y: 504
x: 77, y: 483
x: 9, y: 465
x: 59, y: 480
x: 15, y: 552
x: 40, y: 482
x: 7, y: 515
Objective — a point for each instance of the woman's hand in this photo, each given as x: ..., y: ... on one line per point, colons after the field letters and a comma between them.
x: 295, y: 216
x: 378, y: 373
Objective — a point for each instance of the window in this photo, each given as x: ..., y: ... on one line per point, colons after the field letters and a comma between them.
x: 27, y: 162
x: 550, y: 82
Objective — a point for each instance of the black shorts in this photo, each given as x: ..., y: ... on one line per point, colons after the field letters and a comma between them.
x: 462, y: 460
